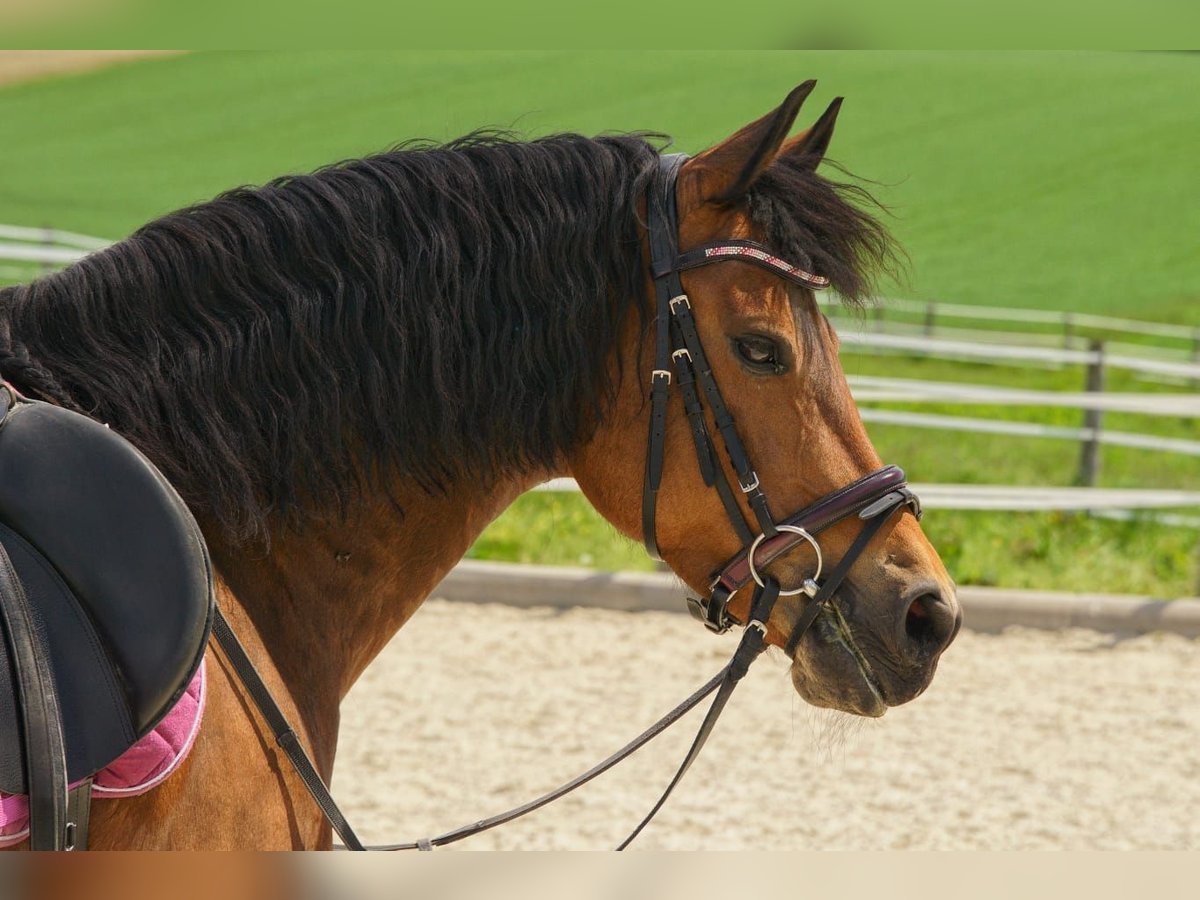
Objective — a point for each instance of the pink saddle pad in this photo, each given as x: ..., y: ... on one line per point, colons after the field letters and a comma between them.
x: 142, y: 767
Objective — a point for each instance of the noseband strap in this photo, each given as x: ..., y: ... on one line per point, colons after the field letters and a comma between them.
x: 869, y: 497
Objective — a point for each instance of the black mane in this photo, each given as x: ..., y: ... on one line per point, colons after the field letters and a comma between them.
x: 811, y: 221
x: 433, y: 311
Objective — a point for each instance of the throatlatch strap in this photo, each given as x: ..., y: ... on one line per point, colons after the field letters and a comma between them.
x: 661, y: 207
x: 282, y: 730
x: 655, y: 450
x: 41, y: 718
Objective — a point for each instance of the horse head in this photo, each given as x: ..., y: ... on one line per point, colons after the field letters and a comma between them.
x: 764, y: 406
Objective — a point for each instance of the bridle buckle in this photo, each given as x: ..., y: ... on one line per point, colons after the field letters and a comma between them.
x: 660, y: 373
x: 679, y: 298
x: 700, y: 609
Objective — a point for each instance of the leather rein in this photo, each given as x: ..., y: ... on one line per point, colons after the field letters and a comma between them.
x: 679, y: 356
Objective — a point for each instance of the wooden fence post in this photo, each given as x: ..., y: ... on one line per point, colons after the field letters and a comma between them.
x: 1068, y: 330
x: 878, y: 314
x: 930, y: 316
x: 1089, y: 455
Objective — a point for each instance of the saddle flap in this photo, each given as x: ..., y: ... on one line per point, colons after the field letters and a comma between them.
x: 117, y: 571
x: 95, y: 713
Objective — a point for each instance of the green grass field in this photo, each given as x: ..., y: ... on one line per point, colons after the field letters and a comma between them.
x: 1057, y: 181
x: 1065, y: 181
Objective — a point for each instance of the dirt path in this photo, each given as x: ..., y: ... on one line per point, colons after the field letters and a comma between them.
x: 1026, y: 740
x: 26, y: 65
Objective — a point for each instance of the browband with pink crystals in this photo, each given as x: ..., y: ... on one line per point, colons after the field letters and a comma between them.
x: 747, y: 251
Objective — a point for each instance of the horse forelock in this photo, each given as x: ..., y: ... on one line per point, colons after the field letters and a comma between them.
x: 825, y: 226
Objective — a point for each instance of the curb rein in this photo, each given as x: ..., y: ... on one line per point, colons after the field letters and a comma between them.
x: 678, y: 355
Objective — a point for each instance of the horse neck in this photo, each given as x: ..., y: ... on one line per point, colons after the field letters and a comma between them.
x: 327, y: 598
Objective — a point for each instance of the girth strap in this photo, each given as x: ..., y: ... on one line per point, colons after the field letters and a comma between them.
x: 41, y: 716
x: 79, y: 815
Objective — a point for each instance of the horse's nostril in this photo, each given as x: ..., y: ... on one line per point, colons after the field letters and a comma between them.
x: 929, y: 623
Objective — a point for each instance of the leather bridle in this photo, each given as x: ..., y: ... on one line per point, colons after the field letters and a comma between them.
x: 678, y: 349
x: 678, y: 356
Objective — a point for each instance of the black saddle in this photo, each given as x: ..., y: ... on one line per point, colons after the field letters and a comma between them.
x: 106, y: 602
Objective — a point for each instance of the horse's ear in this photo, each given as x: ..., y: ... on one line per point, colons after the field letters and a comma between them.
x: 726, y: 171
x: 809, y: 148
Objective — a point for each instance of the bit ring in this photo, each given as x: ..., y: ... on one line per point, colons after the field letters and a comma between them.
x: 793, y: 529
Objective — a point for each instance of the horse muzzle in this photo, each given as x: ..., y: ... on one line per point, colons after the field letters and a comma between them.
x: 859, y: 659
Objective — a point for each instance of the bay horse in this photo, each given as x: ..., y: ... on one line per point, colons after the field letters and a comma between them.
x: 348, y: 374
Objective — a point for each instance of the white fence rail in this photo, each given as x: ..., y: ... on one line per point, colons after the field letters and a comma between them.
x: 911, y: 390
x: 28, y: 252
x: 1016, y: 498
x: 31, y: 253
x: 1006, y: 354
x: 1067, y: 322
x: 1180, y: 352
x: 51, y: 236
x: 1031, y: 429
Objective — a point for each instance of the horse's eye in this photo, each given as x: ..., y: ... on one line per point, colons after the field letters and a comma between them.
x: 759, y: 352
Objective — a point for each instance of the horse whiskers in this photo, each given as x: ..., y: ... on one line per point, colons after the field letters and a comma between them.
x: 830, y: 731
